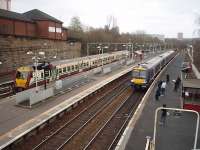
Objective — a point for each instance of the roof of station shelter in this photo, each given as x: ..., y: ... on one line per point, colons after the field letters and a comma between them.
x: 36, y: 14
x: 29, y: 16
x: 138, y: 52
x: 13, y: 15
x: 192, y: 83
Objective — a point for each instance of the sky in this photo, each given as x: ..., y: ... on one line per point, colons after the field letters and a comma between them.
x: 166, y: 17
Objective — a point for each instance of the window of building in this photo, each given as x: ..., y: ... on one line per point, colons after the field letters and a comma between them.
x: 52, y: 29
x: 58, y: 30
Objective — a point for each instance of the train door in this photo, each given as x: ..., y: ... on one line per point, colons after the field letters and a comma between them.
x: 53, y: 73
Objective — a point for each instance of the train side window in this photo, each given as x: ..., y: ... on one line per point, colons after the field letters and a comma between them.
x: 64, y: 69
x: 72, y: 68
x: 60, y: 70
x: 42, y: 75
x: 47, y: 73
x: 68, y: 68
x: 76, y: 67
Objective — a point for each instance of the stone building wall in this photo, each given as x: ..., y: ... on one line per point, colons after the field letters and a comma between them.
x: 196, y: 46
x: 13, y: 51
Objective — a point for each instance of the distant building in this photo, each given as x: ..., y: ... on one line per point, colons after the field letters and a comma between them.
x: 5, y: 4
x: 34, y: 24
x: 180, y: 36
x: 159, y: 36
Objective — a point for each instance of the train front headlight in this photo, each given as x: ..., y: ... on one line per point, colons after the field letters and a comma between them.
x: 138, y: 81
x: 145, y: 81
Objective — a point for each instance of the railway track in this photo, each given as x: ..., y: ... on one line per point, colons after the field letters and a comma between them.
x: 7, y: 89
x: 107, y: 136
x: 34, y: 142
x: 97, y: 126
x: 70, y: 129
x: 83, y: 135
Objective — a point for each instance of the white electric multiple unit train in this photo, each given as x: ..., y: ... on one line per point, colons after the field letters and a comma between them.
x: 144, y: 73
x: 47, y: 72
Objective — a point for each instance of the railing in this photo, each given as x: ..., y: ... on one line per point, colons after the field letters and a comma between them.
x: 149, y: 144
x: 6, y: 89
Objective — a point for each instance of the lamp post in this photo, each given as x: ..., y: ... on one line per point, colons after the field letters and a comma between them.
x: 36, y: 58
x: 192, y: 56
x: 87, y: 49
x: 132, y: 51
x: 55, y: 57
x: 130, y: 48
x: 101, y: 49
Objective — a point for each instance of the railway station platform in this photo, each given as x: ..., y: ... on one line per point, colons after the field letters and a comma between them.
x: 179, y: 131
x: 15, y: 122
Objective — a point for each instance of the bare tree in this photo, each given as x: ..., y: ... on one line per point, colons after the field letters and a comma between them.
x: 76, y: 28
x: 75, y: 24
x: 197, y: 30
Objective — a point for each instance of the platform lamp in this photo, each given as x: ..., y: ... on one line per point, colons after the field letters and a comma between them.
x: 192, y: 53
x: 101, y: 49
x: 36, y: 58
x: 0, y: 63
x: 55, y: 57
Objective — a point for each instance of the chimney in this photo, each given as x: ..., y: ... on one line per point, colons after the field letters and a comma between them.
x: 5, y: 4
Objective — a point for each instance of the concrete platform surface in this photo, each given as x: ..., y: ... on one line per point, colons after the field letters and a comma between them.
x: 179, y: 130
x: 16, y: 121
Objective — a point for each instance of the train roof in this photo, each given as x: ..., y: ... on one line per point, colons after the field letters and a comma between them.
x: 68, y: 61
x: 191, y: 83
x: 25, y: 69
x: 152, y: 62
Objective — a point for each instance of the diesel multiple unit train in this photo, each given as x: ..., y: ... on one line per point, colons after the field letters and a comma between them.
x: 143, y: 74
x: 48, y: 72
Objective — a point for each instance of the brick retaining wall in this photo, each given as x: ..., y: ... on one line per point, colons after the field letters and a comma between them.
x: 13, y: 51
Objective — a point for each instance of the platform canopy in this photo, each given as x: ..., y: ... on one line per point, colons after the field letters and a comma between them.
x: 191, y: 83
x: 138, y: 52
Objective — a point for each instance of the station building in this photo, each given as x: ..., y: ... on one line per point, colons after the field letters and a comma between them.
x: 33, y: 23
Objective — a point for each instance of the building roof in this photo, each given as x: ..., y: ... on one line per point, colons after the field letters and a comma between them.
x: 13, y: 15
x: 29, y: 16
x: 192, y: 83
x: 36, y: 14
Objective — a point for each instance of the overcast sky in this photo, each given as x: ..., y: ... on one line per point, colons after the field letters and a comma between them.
x: 153, y: 16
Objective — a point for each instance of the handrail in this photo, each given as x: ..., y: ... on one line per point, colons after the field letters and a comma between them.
x: 181, y: 110
x: 148, y: 143
x: 7, y: 82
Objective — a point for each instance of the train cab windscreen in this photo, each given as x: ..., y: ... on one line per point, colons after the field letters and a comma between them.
x: 22, y: 75
x: 139, y: 74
